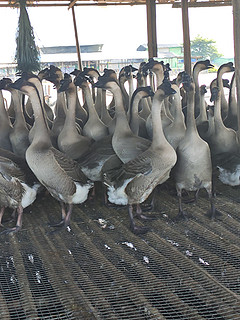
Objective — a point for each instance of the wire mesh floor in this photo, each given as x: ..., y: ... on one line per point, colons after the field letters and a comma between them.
x: 98, y: 269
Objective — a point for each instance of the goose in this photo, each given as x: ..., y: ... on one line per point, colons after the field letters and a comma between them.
x: 226, y: 67
x: 193, y: 170
x: 145, y: 104
x: 60, y: 174
x: 15, y: 191
x: 137, y: 123
x: 125, y: 144
x: 135, y: 180
x: 69, y: 140
x: 175, y: 131
x: 5, y: 126
x: 223, y: 139
x: 19, y: 134
x: 198, y: 67
x: 94, y: 128
x: 231, y: 121
x: 55, y: 75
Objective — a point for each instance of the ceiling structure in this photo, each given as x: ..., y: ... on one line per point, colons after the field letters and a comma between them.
x: 174, y: 3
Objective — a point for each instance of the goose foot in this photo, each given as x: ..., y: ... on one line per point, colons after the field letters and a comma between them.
x: 182, y: 215
x: 11, y: 230
x: 58, y: 225
x: 138, y: 230
x: 191, y: 200
x: 214, y: 214
x: 141, y: 216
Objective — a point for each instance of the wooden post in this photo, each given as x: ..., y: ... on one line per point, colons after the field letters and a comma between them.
x: 76, y: 38
x: 236, y: 28
x: 186, y: 38
x: 151, y: 28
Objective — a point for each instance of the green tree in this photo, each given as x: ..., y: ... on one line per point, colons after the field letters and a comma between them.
x: 204, y: 48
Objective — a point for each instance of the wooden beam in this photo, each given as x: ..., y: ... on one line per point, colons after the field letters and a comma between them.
x: 186, y: 38
x: 205, y: 4
x: 151, y: 28
x: 76, y: 38
x: 236, y: 35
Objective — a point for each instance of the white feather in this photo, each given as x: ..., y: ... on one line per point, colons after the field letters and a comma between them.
x: 81, y: 193
x: 228, y: 177
x: 29, y: 196
x: 118, y: 196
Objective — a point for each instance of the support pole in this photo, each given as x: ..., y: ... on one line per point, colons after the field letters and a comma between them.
x: 76, y: 38
x: 186, y: 38
x: 236, y: 28
x: 151, y: 28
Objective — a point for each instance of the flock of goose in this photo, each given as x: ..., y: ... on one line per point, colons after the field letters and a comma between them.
x: 151, y: 129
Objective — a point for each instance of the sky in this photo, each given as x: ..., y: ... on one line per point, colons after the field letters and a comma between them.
x: 119, y: 28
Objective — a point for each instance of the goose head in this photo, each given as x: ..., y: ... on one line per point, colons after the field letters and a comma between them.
x: 64, y: 83
x: 4, y: 83
x: 110, y: 73
x: 203, y: 89
x: 75, y: 72
x: 81, y: 80
x: 91, y: 73
x: 215, y: 94
x: 54, y: 75
x: 202, y: 65
x: 188, y: 83
x: 166, y: 87
x: 105, y: 82
x: 23, y: 85
x: 225, y: 67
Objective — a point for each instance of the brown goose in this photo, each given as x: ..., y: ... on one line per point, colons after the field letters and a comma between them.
x: 60, y: 174
x: 136, y: 179
x: 193, y: 170
x: 70, y: 141
x: 19, y: 134
x: 15, y: 191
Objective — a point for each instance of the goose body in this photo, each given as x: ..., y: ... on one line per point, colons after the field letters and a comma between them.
x: 193, y: 170
x: 61, y: 175
x: 136, y: 179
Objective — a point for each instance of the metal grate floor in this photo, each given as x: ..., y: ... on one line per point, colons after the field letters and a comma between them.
x: 98, y: 269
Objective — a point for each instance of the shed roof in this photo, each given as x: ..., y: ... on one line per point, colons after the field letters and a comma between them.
x: 175, y: 3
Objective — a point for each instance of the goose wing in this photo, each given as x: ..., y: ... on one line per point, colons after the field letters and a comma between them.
x: 71, y: 167
x: 142, y: 165
x: 10, y: 168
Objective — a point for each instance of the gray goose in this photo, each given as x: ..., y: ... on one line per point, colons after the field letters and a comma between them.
x: 5, y: 126
x: 197, y: 68
x: 94, y: 128
x: 223, y: 139
x: 69, y: 140
x: 60, y: 174
x: 193, y: 170
x: 137, y: 123
x: 175, y: 132
x: 125, y: 144
x: 15, y: 191
x: 226, y: 67
x: 135, y: 180
x: 19, y: 134
x: 231, y: 121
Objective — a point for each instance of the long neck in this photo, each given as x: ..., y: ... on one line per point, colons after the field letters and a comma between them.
x: 4, y: 118
x: 122, y: 124
x: 18, y: 110
x: 158, y: 138
x: 224, y: 103
x: 133, y: 120
x: 217, y: 112
x: 177, y: 107
x: 40, y: 125
x: 89, y: 101
x: 71, y: 95
x: 191, y: 124
x: 203, y: 110
x: 232, y: 98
